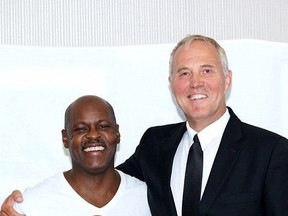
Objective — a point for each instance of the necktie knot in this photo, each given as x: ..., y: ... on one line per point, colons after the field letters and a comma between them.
x: 197, y: 142
x: 195, y: 138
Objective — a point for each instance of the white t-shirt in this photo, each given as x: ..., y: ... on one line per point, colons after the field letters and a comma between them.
x: 55, y: 196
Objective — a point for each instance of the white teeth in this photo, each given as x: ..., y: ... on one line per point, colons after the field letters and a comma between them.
x: 197, y: 96
x: 94, y: 148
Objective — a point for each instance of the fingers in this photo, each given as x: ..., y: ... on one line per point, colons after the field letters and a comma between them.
x: 3, y: 214
x: 16, y: 197
x: 7, y: 206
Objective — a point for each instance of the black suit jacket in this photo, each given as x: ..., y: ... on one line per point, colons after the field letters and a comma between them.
x: 249, y: 175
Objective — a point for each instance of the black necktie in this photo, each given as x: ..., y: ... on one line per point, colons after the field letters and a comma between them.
x: 193, y: 179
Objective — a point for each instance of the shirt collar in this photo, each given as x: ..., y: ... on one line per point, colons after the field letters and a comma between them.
x: 211, y: 132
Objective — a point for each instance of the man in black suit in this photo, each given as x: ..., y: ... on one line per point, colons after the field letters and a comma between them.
x: 244, y: 168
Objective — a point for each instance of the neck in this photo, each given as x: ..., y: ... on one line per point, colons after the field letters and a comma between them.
x: 97, y: 189
x: 199, y: 124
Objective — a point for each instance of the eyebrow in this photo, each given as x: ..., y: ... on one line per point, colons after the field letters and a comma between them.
x: 207, y: 65
x: 182, y: 68
x: 201, y: 66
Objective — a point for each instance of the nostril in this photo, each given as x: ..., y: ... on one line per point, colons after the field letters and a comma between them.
x: 93, y: 134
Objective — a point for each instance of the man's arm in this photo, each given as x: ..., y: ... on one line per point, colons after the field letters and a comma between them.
x: 132, y: 165
x: 7, y: 206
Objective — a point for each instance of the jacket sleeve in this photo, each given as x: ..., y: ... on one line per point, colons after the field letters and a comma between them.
x: 132, y: 166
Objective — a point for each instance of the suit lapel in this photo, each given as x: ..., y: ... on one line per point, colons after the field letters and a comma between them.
x: 224, y: 161
x: 168, y: 148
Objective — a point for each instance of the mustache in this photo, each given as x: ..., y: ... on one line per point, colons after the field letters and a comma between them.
x: 94, y: 142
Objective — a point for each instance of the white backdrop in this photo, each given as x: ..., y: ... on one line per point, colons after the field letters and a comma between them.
x: 37, y: 84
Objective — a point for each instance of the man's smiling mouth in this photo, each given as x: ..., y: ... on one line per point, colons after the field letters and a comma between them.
x: 197, y: 96
x: 94, y: 148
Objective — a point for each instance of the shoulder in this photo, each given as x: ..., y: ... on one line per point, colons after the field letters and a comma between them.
x: 132, y: 191
x: 166, y: 127
x: 261, y: 134
x: 48, y: 184
x: 44, y: 195
x: 166, y: 130
x: 252, y: 132
x: 132, y: 183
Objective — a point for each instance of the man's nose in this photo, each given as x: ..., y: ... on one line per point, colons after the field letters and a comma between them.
x: 93, y: 134
x: 195, y: 80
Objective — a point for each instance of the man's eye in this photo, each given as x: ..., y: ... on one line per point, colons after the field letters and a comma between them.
x: 80, y: 129
x: 103, y: 126
x: 184, y: 73
x: 207, y: 71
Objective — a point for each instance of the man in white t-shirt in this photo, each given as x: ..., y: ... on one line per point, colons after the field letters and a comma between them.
x: 92, y: 186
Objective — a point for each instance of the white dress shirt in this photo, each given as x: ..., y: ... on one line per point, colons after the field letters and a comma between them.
x: 210, y: 138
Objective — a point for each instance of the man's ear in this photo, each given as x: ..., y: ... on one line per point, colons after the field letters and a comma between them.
x: 228, y: 80
x: 118, y: 134
x: 170, y: 80
x: 64, y: 138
